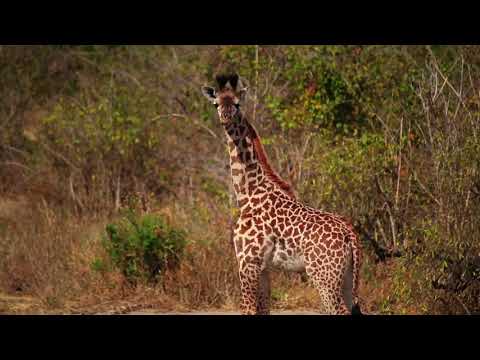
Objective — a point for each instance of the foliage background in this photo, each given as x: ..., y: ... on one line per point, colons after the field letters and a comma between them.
x: 386, y: 135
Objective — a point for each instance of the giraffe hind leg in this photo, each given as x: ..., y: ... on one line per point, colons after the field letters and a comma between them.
x: 333, y: 302
x: 330, y: 289
x: 263, y: 302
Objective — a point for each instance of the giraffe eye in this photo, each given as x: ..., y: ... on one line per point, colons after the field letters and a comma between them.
x: 216, y: 105
x: 237, y: 106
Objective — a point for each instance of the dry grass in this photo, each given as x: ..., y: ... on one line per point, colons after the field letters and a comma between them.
x: 47, y: 257
x: 47, y: 254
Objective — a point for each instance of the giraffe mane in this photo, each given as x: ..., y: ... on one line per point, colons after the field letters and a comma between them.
x: 265, y: 164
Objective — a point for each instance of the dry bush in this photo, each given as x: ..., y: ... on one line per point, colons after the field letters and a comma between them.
x: 206, y: 278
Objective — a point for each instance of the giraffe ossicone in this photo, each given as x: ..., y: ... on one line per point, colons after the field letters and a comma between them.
x: 275, y: 230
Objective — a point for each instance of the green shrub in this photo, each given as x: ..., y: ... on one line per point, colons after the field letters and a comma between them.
x: 141, y: 247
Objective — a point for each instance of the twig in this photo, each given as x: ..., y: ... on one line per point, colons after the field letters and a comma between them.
x: 302, y: 157
x: 388, y: 206
x: 445, y: 78
x: 380, y: 227
x: 131, y: 77
x: 184, y: 109
x: 14, y: 163
x: 68, y: 162
x: 399, y: 163
x: 72, y: 193
x: 381, y: 253
x: 256, y: 84
x: 462, y: 304
x: 21, y: 152
x: 117, y: 195
x: 197, y: 123
x: 425, y: 189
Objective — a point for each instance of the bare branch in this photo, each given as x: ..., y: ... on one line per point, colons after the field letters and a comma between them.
x: 399, y: 163
x: 424, y: 188
x: 255, y: 101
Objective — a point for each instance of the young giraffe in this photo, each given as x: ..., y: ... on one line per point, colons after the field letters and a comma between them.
x: 274, y: 230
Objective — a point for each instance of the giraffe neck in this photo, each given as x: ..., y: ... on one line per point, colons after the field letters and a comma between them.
x: 251, y: 172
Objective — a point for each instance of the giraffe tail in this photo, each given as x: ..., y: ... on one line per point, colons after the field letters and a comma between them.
x: 356, y: 264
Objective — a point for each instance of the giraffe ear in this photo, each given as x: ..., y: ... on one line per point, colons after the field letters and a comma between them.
x: 209, y: 93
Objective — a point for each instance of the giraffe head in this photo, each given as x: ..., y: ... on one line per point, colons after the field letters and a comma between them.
x: 228, y: 98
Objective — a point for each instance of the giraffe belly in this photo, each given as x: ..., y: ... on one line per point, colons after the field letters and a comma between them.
x: 281, y: 260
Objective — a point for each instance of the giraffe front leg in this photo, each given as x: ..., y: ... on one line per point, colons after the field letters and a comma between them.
x: 250, y: 274
x: 253, y: 256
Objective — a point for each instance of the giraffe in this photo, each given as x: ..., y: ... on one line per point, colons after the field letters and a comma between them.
x: 274, y: 230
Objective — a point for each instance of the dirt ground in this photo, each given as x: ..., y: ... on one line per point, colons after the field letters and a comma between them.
x: 217, y: 313
x: 12, y: 305
x: 18, y: 305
